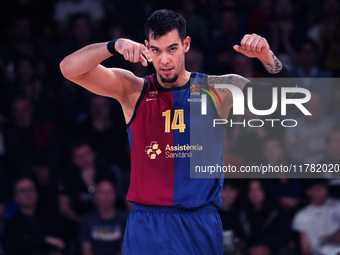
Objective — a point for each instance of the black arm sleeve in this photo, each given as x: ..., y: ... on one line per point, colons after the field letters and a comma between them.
x: 263, y: 95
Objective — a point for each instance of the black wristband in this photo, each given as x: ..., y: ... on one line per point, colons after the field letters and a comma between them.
x: 111, y: 46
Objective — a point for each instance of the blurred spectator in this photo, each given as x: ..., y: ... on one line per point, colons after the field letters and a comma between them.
x: 47, y: 182
x: 323, y: 32
x: 26, y: 138
x: 21, y: 38
x: 246, y: 140
x: 229, y: 215
x: 81, y: 34
x: 221, y: 46
x: 65, y: 9
x: 332, y: 159
x: 105, y: 131
x: 33, y: 230
x: 286, y: 189
x: 74, y: 98
x: 197, y: 26
x: 79, y: 185
x: 313, y: 77
x: 261, y: 18
x: 319, y: 219
x: 194, y: 60
x: 230, y: 204
x: 244, y: 66
x: 35, y: 10
x: 307, y: 141
x: 263, y: 230
x: 231, y: 158
x: 288, y: 30
x: 101, y: 232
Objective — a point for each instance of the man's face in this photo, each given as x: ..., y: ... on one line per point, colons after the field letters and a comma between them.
x: 318, y: 194
x: 83, y: 157
x: 256, y: 194
x: 25, y: 193
x: 167, y: 54
x: 229, y: 195
x: 105, y: 195
x: 99, y: 107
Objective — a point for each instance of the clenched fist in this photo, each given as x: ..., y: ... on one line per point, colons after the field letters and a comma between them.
x: 253, y: 46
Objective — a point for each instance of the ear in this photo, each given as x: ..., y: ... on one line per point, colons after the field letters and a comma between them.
x: 186, y: 43
x: 146, y: 44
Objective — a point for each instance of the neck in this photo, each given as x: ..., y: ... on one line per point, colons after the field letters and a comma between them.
x: 318, y: 203
x: 28, y: 210
x: 182, y: 79
x: 107, y: 213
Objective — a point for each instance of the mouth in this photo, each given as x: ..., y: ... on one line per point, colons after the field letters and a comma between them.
x: 166, y: 71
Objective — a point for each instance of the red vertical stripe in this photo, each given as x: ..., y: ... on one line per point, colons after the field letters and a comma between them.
x: 152, y: 180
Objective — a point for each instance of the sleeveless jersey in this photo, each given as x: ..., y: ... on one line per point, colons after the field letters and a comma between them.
x: 169, y: 139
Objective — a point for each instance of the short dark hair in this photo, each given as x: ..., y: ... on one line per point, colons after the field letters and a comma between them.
x: 162, y: 22
x: 78, y: 142
x: 309, y: 183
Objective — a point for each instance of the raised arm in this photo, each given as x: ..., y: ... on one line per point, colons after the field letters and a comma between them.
x: 252, y: 46
x: 83, y: 67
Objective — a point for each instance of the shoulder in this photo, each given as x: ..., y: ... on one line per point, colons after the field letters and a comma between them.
x: 228, y: 79
x: 302, y: 216
x: 334, y: 203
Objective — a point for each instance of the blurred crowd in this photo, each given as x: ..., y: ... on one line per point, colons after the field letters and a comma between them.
x: 64, y: 153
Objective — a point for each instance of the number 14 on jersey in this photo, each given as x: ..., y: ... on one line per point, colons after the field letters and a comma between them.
x: 177, y: 121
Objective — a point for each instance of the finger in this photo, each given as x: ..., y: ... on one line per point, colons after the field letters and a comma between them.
x: 126, y: 54
x: 263, y: 43
x: 260, y: 45
x: 237, y: 48
x: 247, y: 43
x: 136, y: 54
x: 240, y: 49
x: 243, y: 41
x: 146, y: 53
x: 143, y: 60
x: 254, y: 44
x: 130, y: 52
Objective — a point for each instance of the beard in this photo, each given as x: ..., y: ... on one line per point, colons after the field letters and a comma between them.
x: 169, y: 79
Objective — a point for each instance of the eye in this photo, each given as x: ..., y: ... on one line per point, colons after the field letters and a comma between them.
x: 173, y: 49
x: 155, y: 51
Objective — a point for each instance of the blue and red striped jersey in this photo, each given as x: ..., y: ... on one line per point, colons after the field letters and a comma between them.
x: 168, y: 137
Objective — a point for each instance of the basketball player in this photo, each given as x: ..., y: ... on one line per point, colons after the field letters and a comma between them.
x: 172, y: 213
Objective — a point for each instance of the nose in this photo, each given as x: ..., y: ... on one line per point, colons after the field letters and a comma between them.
x: 164, y: 58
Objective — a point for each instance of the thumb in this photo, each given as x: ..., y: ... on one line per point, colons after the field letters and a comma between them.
x: 237, y: 48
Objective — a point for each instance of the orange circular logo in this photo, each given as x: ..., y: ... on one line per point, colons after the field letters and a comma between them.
x: 195, y: 88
